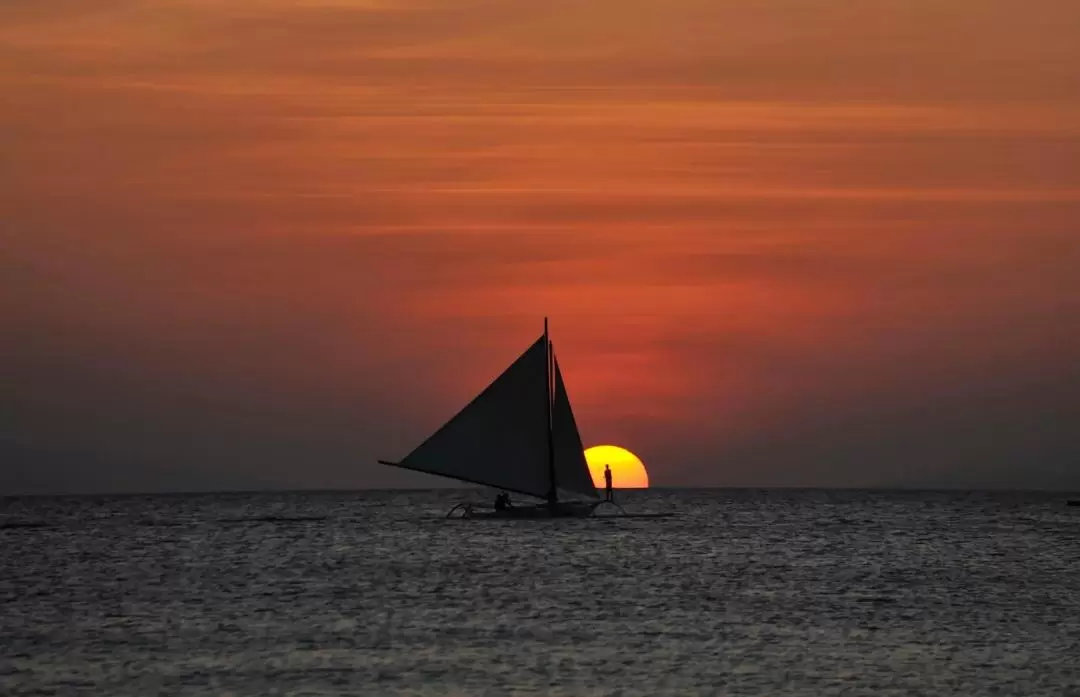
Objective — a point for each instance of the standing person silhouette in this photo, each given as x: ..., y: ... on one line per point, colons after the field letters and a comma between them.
x: 607, y: 483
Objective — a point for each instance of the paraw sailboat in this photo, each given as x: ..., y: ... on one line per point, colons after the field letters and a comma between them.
x: 518, y: 435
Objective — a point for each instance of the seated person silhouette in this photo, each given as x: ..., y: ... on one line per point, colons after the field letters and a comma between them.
x: 502, y: 501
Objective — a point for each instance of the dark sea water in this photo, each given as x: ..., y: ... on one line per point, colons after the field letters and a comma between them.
x: 746, y: 593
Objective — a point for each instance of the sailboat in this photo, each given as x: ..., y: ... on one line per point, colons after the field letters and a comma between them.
x: 519, y: 436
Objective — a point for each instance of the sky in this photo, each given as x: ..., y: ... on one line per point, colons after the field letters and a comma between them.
x: 261, y: 244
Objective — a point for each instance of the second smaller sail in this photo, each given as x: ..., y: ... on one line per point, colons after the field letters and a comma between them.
x: 571, y: 469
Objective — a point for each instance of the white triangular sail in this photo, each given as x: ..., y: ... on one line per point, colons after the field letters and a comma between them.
x: 500, y: 439
x: 571, y: 470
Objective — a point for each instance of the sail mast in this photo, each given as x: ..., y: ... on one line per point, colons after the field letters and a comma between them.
x: 553, y: 497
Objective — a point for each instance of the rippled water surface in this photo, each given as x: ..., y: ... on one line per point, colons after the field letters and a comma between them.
x: 745, y: 593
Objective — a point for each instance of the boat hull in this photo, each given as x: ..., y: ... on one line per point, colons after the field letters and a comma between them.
x: 539, y: 511
x: 467, y: 511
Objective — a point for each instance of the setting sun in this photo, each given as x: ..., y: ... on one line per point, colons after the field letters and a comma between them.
x: 627, y: 469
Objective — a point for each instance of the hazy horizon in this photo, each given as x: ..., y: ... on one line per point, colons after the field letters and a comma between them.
x: 451, y: 486
x: 261, y: 245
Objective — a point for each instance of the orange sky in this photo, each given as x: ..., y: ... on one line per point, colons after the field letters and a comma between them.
x: 798, y: 242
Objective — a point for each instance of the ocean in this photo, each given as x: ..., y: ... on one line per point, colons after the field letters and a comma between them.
x: 746, y: 592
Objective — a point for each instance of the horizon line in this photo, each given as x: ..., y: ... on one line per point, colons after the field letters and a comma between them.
x: 212, y: 492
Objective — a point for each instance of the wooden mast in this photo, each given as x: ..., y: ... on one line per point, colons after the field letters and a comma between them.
x: 553, y: 496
